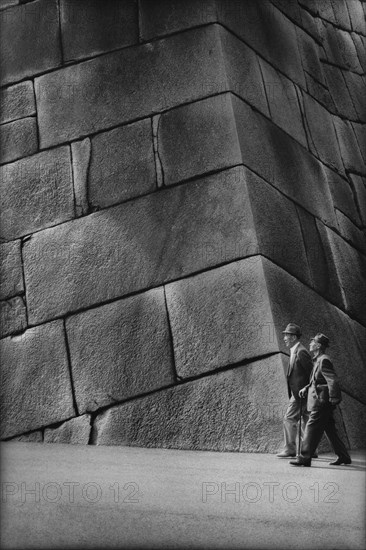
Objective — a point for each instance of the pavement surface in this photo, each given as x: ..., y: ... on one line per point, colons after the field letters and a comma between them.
x: 71, y: 496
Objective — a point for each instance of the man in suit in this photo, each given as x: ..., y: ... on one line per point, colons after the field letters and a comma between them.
x: 323, y: 395
x: 298, y: 374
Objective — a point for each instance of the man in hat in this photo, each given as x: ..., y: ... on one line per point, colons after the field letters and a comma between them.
x: 298, y: 375
x: 323, y: 395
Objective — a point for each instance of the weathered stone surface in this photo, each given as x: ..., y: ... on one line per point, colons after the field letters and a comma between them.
x: 220, y: 317
x: 198, y: 138
x: 360, y: 133
x: 13, y: 316
x: 18, y: 139
x: 35, y: 374
x: 75, y: 431
x: 25, y: 52
x: 325, y: 10
x: 310, y: 24
x: 283, y: 102
x: 236, y: 410
x: 291, y: 9
x: 120, y: 350
x: 166, y: 16
x: 292, y: 301
x: 356, y: 88
x: 107, y: 91
x: 360, y: 48
x: 320, y: 92
x: 348, y: 145
x: 340, y: 49
x: 321, y: 133
x: 342, y: 195
x: 34, y: 437
x: 339, y: 91
x: 81, y: 153
x: 357, y: 16
x: 351, y: 267
x: 122, y: 164
x: 310, y: 52
x: 354, y: 417
x: 36, y: 192
x: 7, y: 3
x: 341, y: 13
x: 90, y: 27
x: 277, y: 227
x: 279, y: 159
x: 17, y: 102
x: 263, y: 27
x: 351, y: 232
x: 139, y: 244
x: 359, y: 186
x: 243, y: 71
x: 10, y: 270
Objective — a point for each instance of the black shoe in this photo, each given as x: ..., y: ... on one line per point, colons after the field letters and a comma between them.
x: 340, y: 461
x: 284, y: 454
x: 300, y: 462
x: 315, y: 456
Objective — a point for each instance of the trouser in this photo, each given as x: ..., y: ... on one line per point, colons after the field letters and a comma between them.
x: 290, y: 421
x: 321, y: 421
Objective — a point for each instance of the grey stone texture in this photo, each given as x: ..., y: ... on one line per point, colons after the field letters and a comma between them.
x: 283, y: 102
x: 18, y: 139
x: 136, y: 245
x: 108, y: 90
x: 35, y: 373
x: 342, y: 195
x: 91, y: 27
x: 280, y: 160
x: 360, y: 132
x: 11, y: 272
x: 359, y: 186
x: 7, y: 3
x: 81, y: 153
x: 339, y: 92
x: 198, y: 138
x: 351, y: 232
x: 17, y: 102
x: 351, y: 155
x: 34, y: 437
x: 340, y: 49
x: 122, y: 164
x: 354, y: 417
x: 37, y: 192
x: 13, y: 317
x: 356, y: 87
x: 236, y: 410
x: 25, y: 51
x: 292, y: 300
x: 75, y: 431
x: 120, y: 350
x: 360, y: 48
x: 220, y: 317
x: 357, y: 17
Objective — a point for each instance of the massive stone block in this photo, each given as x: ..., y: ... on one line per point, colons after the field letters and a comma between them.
x: 275, y: 156
x: 35, y: 374
x: 37, y: 192
x: 263, y: 27
x: 322, y: 136
x: 18, y: 139
x: 356, y: 87
x: 360, y: 133
x: 11, y: 270
x: 351, y: 232
x: 17, y: 102
x: 92, y: 27
x: 236, y: 410
x: 357, y: 17
x: 75, y: 431
x: 220, y: 317
x: 342, y: 195
x: 107, y: 91
x: 292, y: 301
x: 122, y: 164
x: 339, y: 91
x: 81, y: 153
x: 340, y: 49
x: 24, y: 51
x: 354, y: 417
x: 348, y: 145
x: 359, y: 186
x: 139, y: 244
x: 120, y: 350
x: 283, y: 103
x: 198, y: 138
x: 13, y: 317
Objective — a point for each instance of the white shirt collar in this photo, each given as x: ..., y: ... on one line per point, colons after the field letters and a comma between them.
x: 294, y: 348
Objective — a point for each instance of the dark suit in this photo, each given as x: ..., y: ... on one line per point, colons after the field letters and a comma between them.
x: 298, y: 374
x: 322, y: 387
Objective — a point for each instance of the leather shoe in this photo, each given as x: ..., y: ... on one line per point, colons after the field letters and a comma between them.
x: 284, y: 454
x: 299, y: 462
x: 340, y: 461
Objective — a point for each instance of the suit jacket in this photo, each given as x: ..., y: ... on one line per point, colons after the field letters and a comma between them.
x: 323, y: 384
x: 299, y: 370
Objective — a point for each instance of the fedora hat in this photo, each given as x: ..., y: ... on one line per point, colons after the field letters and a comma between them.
x: 292, y: 329
x: 321, y: 339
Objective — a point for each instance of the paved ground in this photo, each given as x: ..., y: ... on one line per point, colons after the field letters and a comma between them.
x: 63, y: 496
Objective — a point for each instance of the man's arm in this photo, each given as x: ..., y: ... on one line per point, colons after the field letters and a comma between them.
x: 331, y: 378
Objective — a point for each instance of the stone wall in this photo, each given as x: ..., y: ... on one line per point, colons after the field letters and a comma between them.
x: 179, y: 181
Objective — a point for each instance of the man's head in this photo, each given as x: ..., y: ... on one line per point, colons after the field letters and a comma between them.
x: 319, y: 343
x: 291, y: 334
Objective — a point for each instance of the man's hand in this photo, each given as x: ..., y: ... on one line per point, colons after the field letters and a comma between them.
x: 303, y: 392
